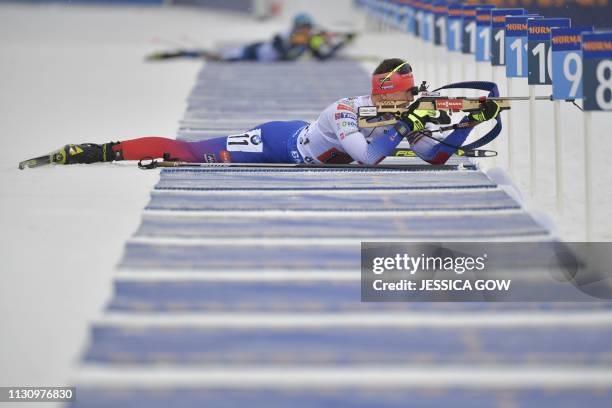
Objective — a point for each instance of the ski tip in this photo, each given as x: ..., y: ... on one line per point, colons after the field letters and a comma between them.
x: 27, y: 163
x: 36, y: 162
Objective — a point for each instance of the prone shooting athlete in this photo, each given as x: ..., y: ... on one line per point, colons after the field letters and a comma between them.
x: 336, y: 137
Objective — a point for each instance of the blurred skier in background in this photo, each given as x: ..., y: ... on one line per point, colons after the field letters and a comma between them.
x: 302, y: 39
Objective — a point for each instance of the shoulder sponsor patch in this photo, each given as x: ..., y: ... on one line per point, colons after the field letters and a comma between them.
x: 346, y: 115
x: 342, y: 106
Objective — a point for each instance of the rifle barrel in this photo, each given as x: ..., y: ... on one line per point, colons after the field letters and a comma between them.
x: 521, y: 98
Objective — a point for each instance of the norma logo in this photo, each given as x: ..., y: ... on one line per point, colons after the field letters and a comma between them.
x: 539, y: 30
x: 566, y: 39
x: 516, y: 27
x: 597, y: 45
x: 452, y: 104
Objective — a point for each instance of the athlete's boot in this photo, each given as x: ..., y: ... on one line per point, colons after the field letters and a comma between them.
x: 158, y: 56
x: 71, y: 154
x: 86, y: 153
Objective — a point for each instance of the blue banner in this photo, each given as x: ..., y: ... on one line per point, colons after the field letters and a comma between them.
x: 581, y: 12
x: 597, y: 78
x: 453, y: 27
x: 567, y: 63
x: 516, y: 46
x: 498, y: 33
x: 428, y: 17
x: 539, y: 59
x: 468, y: 29
x: 409, y: 21
x: 418, y: 17
x: 483, y: 34
x: 440, y: 12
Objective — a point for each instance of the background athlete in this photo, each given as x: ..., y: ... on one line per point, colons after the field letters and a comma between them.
x: 303, y: 38
x: 334, y: 138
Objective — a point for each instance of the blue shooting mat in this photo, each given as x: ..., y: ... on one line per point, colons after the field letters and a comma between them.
x: 341, y: 257
x: 330, y: 397
x: 296, y: 296
x: 335, y: 200
x: 309, y: 179
x: 226, y: 224
x: 349, y: 346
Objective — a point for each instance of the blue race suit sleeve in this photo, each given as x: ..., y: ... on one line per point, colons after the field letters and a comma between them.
x: 434, y: 152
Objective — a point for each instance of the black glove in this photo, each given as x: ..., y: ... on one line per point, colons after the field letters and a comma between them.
x: 488, y: 110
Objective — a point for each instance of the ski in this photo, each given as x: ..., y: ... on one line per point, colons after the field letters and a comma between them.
x: 56, y: 156
x: 183, y: 53
x: 147, y: 164
x: 35, y: 162
x: 465, y: 153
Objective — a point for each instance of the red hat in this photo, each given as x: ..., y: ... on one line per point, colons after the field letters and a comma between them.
x: 400, y: 79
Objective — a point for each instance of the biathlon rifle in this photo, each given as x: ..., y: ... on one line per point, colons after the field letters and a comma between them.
x: 387, y: 113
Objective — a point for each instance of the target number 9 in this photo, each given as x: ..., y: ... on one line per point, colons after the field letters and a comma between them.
x: 572, y: 71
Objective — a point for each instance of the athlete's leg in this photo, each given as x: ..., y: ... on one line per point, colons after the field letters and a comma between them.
x: 244, y: 53
x: 266, y: 143
x: 155, y: 147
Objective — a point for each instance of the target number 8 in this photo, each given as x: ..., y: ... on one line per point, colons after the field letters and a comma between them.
x: 603, y: 93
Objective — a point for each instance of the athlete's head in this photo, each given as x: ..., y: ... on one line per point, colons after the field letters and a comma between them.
x: 301, y: 30
x: 392, y: 80
x: 302, y: 20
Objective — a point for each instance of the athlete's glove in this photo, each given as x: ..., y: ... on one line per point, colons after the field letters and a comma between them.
x: 414, y: 121
x: 316, y: 41
x: 488, y: 110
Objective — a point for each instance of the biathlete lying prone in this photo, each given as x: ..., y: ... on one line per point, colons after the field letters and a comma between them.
x: 336, y: 137
x: 302, y: 39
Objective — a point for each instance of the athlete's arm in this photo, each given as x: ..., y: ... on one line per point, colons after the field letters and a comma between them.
x: 437, y: 153
x: 355, y: 143
x: 323, y: 49
x: 434, y: 152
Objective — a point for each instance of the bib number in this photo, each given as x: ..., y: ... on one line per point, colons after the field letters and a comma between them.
x: 246, y: 142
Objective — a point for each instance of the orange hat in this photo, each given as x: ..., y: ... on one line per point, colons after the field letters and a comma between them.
x: 400, y: 79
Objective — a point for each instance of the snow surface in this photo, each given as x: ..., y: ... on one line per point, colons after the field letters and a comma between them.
x: 75, y: 74
x: 72, y: 74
